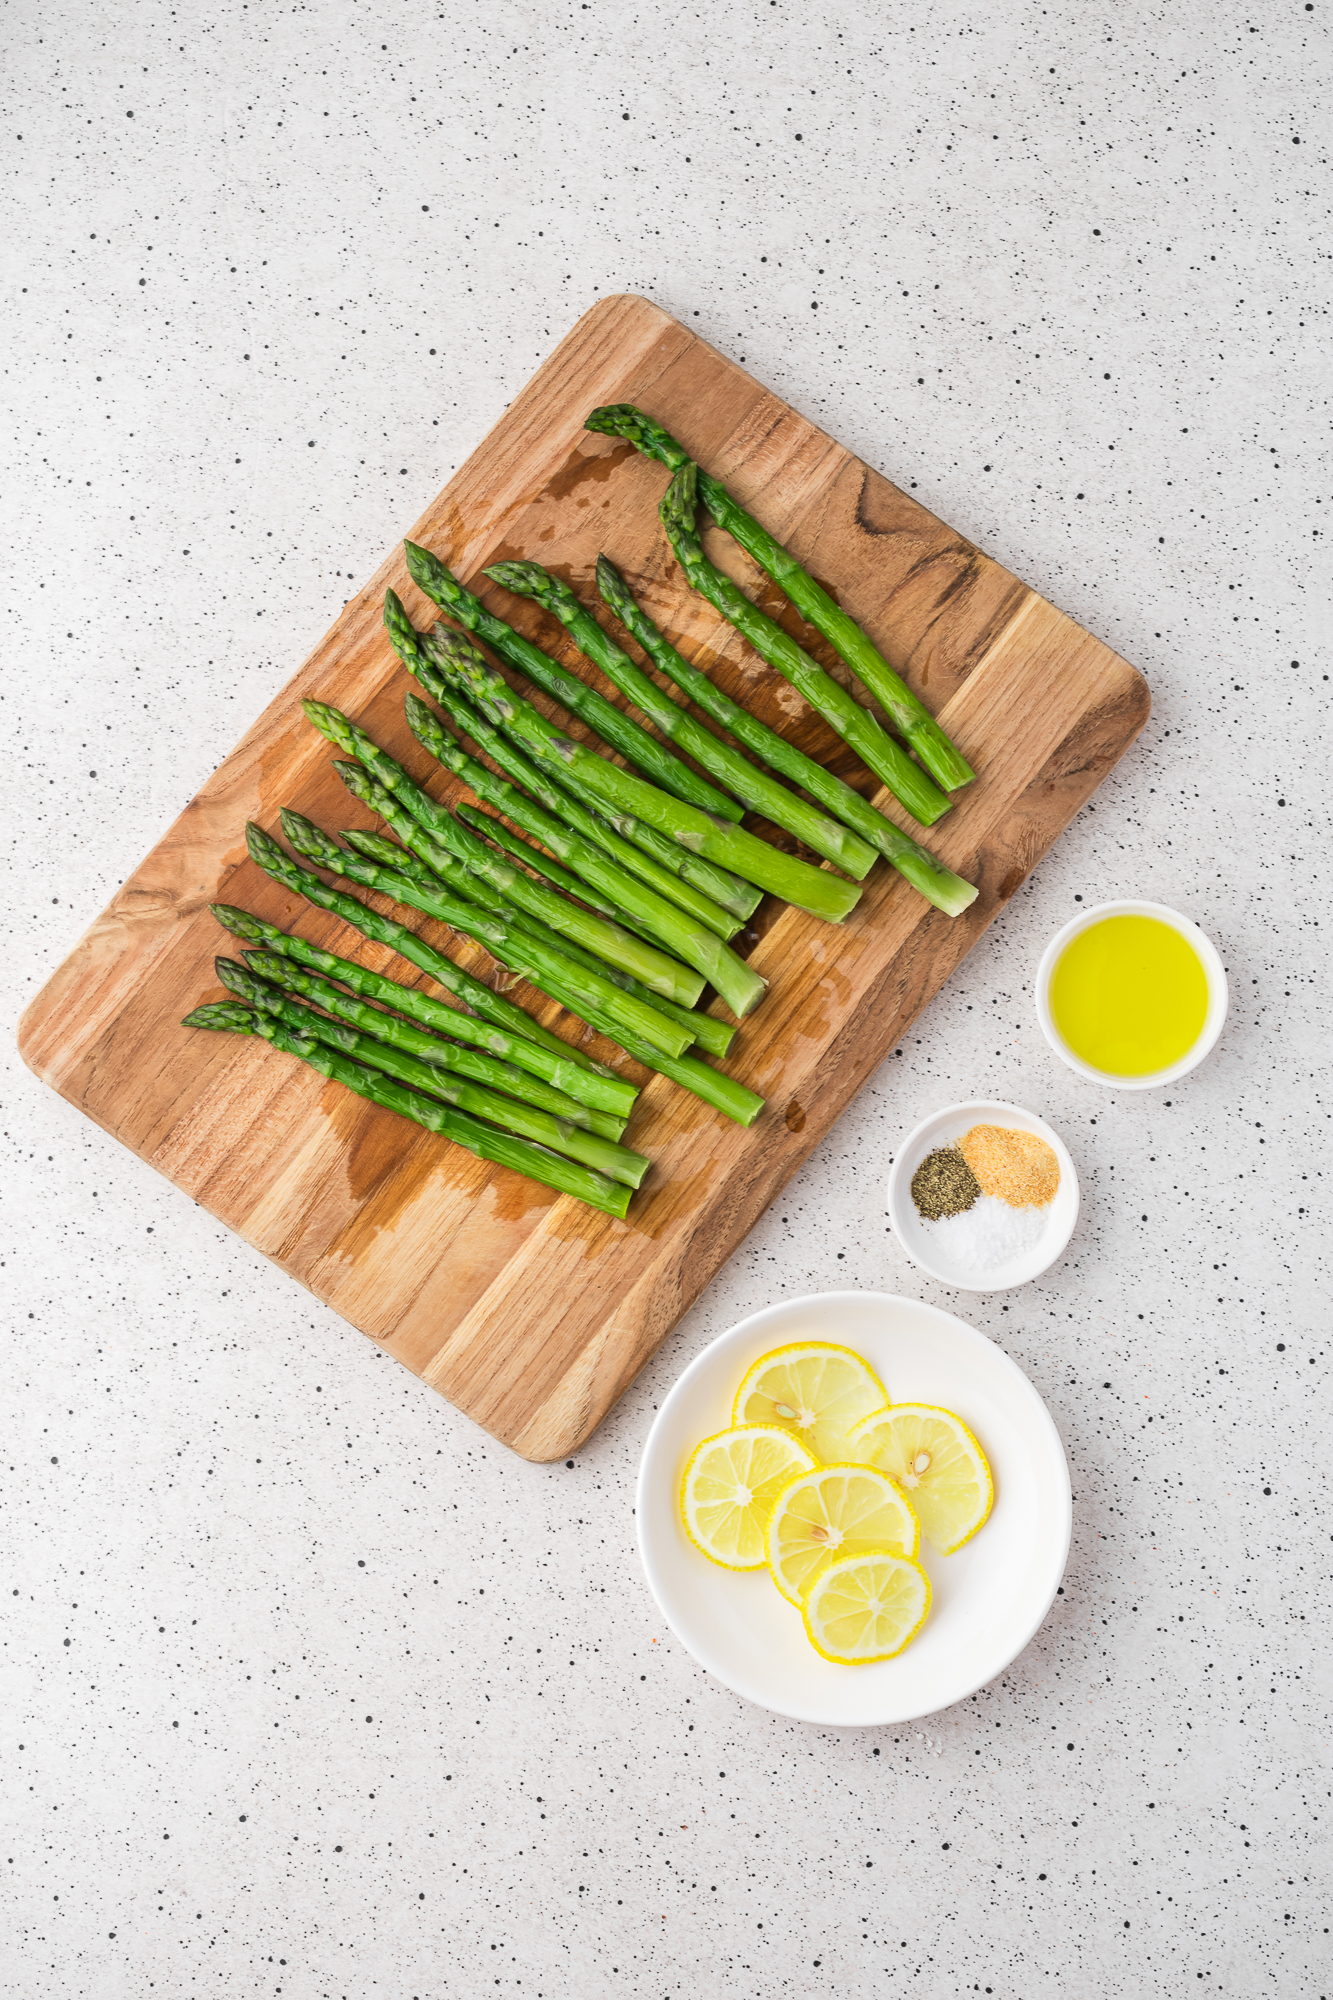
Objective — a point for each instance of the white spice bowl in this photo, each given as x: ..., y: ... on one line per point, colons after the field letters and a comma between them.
x: 920, y: 1240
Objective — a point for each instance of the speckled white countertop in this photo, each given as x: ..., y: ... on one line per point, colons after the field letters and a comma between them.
x: 311, y: 1689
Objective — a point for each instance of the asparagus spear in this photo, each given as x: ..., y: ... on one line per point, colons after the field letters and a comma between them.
x: 575, y: 986
x: 857, y: 727
x: 604, y: 1099
x: 490, y: 828
x: 701, y: 1028
x: 446, y: 874
x: 910, y: 717
x: 617, y: 1162
x: 712, y: 1085
x: 714, y: 895
x: 755, y: 789
x: 732, y: 847
x: 611, y: 723
x: 267, y: 854
x: 454, y: 654
x: 710, y: 1033
x: 473, y: 1064
x: 718, y: 899
x: 738, y: 984
x: 733, y: 1098
x: 938, y: 884
x: 427, y: 827
x: 567, y: 1176
x: 377, y: 848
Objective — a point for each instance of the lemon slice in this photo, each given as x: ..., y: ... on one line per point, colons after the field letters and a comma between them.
x: 835, y: 1510
x: 866, y: 1607
x: 813, y: 1389
x: 729, y: 1488
x: 937, y: 1461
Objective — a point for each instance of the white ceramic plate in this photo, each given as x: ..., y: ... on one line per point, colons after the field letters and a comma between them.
x: 927, y: 1245
x: 989, y: 1599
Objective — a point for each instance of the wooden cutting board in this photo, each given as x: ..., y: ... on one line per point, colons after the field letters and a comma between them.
x: 528, y: 1311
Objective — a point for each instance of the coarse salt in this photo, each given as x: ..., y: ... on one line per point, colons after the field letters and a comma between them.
x: 986, y: 1236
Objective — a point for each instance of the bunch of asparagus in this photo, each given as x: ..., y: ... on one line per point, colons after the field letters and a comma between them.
x: 910, y: 717
x: 614, y: 891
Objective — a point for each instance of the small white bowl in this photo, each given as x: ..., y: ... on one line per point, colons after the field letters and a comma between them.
x: 988, y: 1599
x: 921, y: 1239
x: 1214, y: 972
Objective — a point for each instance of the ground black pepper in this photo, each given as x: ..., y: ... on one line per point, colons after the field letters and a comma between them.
x: 944, y: 1184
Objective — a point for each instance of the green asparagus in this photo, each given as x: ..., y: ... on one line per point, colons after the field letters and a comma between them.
x: 856, y: 726
x: 713, y: 897
x: 739, y: 986
x: 938, y: 884
x: 426, y: 827
x: 566, y: 1176
x: 702, y: 1028
x: 910, y: 717
x: 755, y: 789
x: 812, y: 889
x: 267, y: 854
x: 617, y: 1162
x: 699, y: 1078
x: 474, y: 1064
x: 562, y: 978
x: 710, y: 1033
x: 604, y: 1098
x: 489, y: 828
x: 453, y: 653
x: 610, y: 723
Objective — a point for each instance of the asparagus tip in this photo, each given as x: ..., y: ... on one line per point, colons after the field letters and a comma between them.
x: 452, y: 644
x: 680, y: 505
x: 261, y: 846
x: 428, y: 572
x: 240, y: 923
x: 309, y: 839
x: 402, y: 633
x: 529, y: 579
x: 610, y: 582
x: 221, y: 1015
x: 329, y: 721
x: 606, y: 418
x: 355, y: 776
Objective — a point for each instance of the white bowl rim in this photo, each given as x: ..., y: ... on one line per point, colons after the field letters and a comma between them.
x: 752, y: 1322
x: 1039, y: 1258
x: 1214, y: 1019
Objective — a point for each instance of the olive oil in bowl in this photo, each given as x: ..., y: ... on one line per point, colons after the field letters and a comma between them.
x: 1132, y: 994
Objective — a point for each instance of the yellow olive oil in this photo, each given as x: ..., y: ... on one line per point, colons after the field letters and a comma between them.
x: 1129, y: 995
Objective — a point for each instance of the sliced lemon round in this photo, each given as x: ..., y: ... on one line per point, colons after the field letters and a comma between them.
x: 813, y: 1389
x: 866, y: 1606
x: 835, y: 1510
x: 938, y: 1463
x: 729, y: 1487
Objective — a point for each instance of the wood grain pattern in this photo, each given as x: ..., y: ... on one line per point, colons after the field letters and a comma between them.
x: 526, y: 1310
